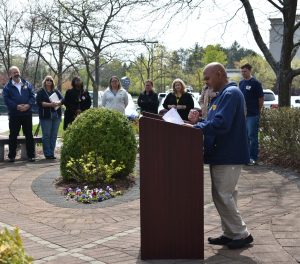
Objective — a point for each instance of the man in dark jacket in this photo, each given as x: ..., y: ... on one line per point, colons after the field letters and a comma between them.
x: 225, y: 150
x: 19, y: 97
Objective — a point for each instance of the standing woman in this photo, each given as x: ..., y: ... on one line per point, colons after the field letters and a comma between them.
x: 76, y: 101
x: 148, y: 100
x: 179, y: 99
x: 49, y: 101
x: 115, y: 97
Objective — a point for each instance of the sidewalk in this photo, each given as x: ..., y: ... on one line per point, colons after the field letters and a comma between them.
x: 58, y: 233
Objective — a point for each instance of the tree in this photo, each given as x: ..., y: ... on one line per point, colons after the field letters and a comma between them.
x: 287, y: 10
x: 93, y: 27
x: 235, y: 53
x: 214, y: 53
x: 282, y: 68
x: 9, y: 21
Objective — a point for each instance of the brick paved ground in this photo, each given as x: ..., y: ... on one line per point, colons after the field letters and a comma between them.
x: 55, y: 232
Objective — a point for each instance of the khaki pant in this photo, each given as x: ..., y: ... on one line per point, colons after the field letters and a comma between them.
x: 224, y: 180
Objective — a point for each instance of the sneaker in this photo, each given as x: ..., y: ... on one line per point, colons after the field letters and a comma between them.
x: 252, y: 162
x: 31, y: 159
x: 11, y: 160
x: 240, y: 243
x: 221, y: 240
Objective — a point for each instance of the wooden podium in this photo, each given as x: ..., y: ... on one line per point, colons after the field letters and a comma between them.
x: 171, y: 171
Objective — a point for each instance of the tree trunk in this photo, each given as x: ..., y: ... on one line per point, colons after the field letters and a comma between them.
x: 97, y: 80
x: 61, y: 52
x: 283, y: 85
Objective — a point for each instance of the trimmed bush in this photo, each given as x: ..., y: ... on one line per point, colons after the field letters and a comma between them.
x: 102, y: 137
x: 11, y: 248
x: 280, y: 136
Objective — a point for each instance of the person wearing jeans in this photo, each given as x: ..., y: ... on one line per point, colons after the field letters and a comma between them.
x: 49, y: 101
x: 252, y: 123
x: 254, y: 97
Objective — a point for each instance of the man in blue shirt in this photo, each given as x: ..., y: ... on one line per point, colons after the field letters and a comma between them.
x: 19, y: 97
x: 254, y: 97
x: 225, y: 150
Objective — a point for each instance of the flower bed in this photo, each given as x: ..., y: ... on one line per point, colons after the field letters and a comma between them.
x: 88, y: 196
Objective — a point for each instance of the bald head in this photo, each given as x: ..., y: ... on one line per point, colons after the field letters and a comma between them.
x: 14, y: 73
x: 215, y: 76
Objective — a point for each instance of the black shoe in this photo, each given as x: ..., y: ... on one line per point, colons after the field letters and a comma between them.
x: 240, y: 243
x: 11, y: 160
x: 221, y: 240
x: 50, y: 157
x: 31, y: 159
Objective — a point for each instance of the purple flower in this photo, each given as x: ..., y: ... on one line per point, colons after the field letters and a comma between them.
x: 100, y: 199
x: 107, y: 194
x: 83, y: 196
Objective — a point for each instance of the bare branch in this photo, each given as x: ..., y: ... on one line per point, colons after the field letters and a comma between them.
x: 275, y: 5
x: 257, y: 35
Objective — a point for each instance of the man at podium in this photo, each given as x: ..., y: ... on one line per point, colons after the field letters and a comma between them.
x: 225, y: 150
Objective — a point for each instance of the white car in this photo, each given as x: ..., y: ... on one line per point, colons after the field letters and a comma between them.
x: 270, y: 100
x: 295, y: 101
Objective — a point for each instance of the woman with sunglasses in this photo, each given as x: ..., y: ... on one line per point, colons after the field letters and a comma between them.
x: 49, y: 101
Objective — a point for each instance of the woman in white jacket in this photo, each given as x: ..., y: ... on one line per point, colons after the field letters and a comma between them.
x: 115, y: 97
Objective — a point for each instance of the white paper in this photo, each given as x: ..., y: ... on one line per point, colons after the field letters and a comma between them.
x: 54, y: 98
x: 172, y: 116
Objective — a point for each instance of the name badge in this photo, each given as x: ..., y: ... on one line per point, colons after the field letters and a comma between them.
x: 248, y: 87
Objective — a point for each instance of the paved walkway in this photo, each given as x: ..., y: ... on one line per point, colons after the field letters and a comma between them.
x: 54, y: 232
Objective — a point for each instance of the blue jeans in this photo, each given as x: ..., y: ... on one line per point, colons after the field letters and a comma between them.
x: 49, y: 130
x: 252, y: 131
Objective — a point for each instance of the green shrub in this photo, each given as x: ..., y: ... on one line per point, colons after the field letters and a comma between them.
x: 280, y: 136
x: 11, y: 248
x: 102, y: 133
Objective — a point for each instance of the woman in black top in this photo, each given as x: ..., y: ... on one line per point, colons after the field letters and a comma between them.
x: 49, y: 101
x: 179, y: 99
x: 148, y: 100
x: 76, y: 101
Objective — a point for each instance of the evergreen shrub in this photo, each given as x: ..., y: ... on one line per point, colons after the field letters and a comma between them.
x: 100, y: 145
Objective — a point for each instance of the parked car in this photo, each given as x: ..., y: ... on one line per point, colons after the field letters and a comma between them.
x: 270, y: 100
x: 161, y: 96
x: 295, y: 101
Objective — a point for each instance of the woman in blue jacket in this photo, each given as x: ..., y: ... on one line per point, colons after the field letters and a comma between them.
x: 49, y: 101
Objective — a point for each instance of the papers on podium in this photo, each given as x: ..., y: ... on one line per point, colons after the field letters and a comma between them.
x: 54, y: 98
x: 172, y: 116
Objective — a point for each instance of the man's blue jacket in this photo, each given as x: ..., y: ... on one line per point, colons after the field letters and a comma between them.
x: 12, y: 97
x: 225, y: 135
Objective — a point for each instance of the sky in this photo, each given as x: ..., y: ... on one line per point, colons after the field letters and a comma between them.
x: 220, y: 23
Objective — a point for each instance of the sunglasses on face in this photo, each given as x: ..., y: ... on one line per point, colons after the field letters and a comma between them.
x: 49, y: 80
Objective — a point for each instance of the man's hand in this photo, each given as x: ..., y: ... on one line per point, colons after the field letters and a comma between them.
x: 194, y: 116
x: 23, y: 107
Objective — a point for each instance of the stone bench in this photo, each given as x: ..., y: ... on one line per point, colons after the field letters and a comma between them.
x: 20, y: 140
